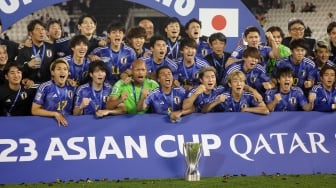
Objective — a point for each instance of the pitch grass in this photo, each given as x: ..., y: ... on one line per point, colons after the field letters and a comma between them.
x: 227, y: 181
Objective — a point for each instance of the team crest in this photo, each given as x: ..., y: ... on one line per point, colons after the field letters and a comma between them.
x: 253, y: 79
x: 292, y: 100
x: 49, y: 53
x: 70, y: 94
x: 177, y: 100
x: 85, y: 74
x: 123, y: 60
x: 114, y: 90
x: 196, y: 75
x: 244, y: 105
x: 204, y: 52
x: 303, y: 74
x: 105, y: 99
x: 24, y: 95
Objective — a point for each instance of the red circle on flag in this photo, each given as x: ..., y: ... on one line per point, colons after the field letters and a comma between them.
x: 218, y: 22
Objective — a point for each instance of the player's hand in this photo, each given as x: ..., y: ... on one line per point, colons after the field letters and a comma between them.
x: 145, y: 92
x: 27, y: 83
x: 277, y: 98
x: 221, y: 98
x: 72, y: 82
x: 311, y: 97
x: 200, y: 89
x: 123, y: 96
x: 102, y: 113
x: 257, y: 96
x: 85, y: 102
x: 60, y: 119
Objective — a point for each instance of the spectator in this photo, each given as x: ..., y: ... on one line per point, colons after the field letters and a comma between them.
x: 292, y: 7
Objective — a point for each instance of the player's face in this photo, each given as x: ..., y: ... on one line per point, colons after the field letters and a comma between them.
x: 189, y: 53
x: 3, y: 56
x: 80, y: 50
x: 277, y: 37
x: 139, y: 72
x: 88, y: 26
x: 159, y: 49
x: 38, y: 34
x: 237, y: 85
x: 194, y: 30
x: 137, y: 43
x: 14, y: 76
x: 60, y: 74
x: 209, y: 80
x: 298, y: 54
x: 55, y: 31
x: 116, y: 37
x: 98, y: 76
x: 218, y: 47
x: 296, y: 31
x: 328, y: 78
x: 250, y: 63
x: 173, y: 30
x: 323, y: 55
x: 149, y: 27
x: 332, y: 35
x: 165, y: 78
x: 253, y: 39
x: 286, y: 82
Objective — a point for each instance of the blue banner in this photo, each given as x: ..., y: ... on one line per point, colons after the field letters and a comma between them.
x: 34, y: 149
x: 226, y: 16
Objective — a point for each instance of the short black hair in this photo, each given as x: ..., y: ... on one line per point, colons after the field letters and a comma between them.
x: 77, y: 39
x: 53, y: 21
x: 81, y: 19
x: 9, y: 65
x: 171, y: 20
x: 114, y: 26
x: 97, y: 64
x: 299, y: 43
x: 295, y: 21
x: 31, y: 25
x: 155, y: 38
x: 187, y: 42
x: 217, y: 36
x: 161, y: 68
x: 284, y: 71
x: 186, y: 27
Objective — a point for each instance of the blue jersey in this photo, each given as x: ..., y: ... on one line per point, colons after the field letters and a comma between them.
x: 98, y: 98
x: 162, y: 103
x: 263, y: 50
x: 305, y: 70
x: 324, y: 98
x: 254, y: 77
x: 55, y: 98
x: 152, y: 67
x: 204, y: 99
x: 116, y: 62
x: 318, y: 76
x: 189, y: 75
x: 230, y: 105
x: 173, y: 51
x: 294, y: 100
x: 79, y: 73
x: 203, y: 49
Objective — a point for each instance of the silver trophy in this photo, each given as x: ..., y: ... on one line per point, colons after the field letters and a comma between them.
x: 192, y: 154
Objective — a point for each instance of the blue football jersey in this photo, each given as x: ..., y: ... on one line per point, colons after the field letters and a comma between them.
x: 162, y: 103
x: 203, y: 49
x: 152, y: 66
x: 116, y: 62
x: 189, y: 75
x: 55, y: 98
x: 204, y: 99
x: 292, y: 101
x: 230, y: 105
x: 324, y: 98
x: 318, y: 76
x: 263, y: 50
x: 98, y: 98
x: 305, y: 70
x: 78, y: 72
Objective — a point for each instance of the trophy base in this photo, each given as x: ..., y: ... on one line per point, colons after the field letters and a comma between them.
x: 195, y: 177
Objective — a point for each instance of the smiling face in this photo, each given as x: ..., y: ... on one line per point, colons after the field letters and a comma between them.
x: 237, y: 83
x: 80, y: 50
x: 209, y: 80
x: 60, y: 73
x: 116, y: 37
x: 173, y: 30
x: 322, y: 55
x: 87, y: 27
x: 165, y: 78
x: 3, y: 55
x: 189, y: 53
x: 54, y: 32
x: 137, y: 43
x: 14, y: 76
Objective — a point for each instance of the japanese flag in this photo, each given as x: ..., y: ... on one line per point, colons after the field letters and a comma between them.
x: 224, y: 20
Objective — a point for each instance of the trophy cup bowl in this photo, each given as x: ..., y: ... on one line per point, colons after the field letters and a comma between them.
x: 192, y: 154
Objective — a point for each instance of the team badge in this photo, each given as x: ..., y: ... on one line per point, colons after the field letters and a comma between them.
x: 24, y: 95
x: 253, y: 79
x: 204, y: 52
x: 123, y: 60
x: 244, y: 105
x: 292, y: 100
x: 49, y: 53
x: 303, y: 74
x: 177, y: 100
x: 70, y: 94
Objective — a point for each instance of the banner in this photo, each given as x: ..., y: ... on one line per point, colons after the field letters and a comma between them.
x: 35, y: 149
x: 227, y: 16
